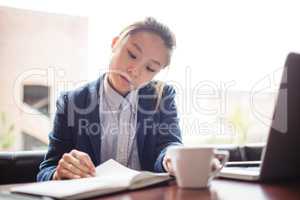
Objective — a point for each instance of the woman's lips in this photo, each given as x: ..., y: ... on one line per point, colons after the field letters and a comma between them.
x: 128, y: 83
x: 125, y: 79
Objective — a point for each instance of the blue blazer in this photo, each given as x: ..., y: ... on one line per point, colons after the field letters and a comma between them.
x: 77, y: 126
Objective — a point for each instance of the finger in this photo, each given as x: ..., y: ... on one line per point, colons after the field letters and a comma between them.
x: 170, y: 166
x: 63, y: 173
x: 165, y: 164
x: 84, y: 160
x: 90, y: 163
x: 74, y: 161
x: 71, y: 168
x: 69, y: 175
x: 216, y: 164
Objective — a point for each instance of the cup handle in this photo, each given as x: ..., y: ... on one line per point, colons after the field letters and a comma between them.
x: 223, y: 157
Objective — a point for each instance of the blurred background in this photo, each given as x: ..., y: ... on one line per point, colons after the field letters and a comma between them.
x: 226, y: 68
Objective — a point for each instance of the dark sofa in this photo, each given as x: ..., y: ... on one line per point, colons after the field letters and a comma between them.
x: 23, y: 166
x: 19, y: 166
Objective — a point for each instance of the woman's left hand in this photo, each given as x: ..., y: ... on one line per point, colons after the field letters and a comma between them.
x: 167, y: 164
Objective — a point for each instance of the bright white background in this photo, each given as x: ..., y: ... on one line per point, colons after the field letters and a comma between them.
x: 217, y: 41
x: 220, y: 40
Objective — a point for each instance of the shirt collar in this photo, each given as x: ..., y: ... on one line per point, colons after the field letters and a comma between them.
x: 116, y: 100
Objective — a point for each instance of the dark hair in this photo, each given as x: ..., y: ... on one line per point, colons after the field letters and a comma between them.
x: 149, y: 24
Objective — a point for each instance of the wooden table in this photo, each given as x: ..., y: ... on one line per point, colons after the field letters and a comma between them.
x: 219, y: 189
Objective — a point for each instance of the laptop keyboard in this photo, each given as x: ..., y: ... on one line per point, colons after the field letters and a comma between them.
x: 243, y: 164
x: 245, y: 168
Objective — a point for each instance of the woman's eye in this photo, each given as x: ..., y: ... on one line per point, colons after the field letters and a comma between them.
x: 131, y: 55
x: 150, y: 69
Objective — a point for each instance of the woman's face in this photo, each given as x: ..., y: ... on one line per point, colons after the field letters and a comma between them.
x: 136, y: 59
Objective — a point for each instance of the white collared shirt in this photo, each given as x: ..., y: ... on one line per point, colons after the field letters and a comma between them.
x: 118, y: 118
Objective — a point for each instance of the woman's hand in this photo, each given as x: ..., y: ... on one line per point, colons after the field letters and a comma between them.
x: 167, y: 164
x: 74, y: 165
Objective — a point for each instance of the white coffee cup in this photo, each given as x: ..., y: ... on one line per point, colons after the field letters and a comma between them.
x: 193, y: 166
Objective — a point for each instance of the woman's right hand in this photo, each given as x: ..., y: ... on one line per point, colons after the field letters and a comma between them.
x: 74, y: 165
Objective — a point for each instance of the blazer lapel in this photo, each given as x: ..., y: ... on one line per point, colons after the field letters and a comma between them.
x: 94, y: 121
x: 145, y: 112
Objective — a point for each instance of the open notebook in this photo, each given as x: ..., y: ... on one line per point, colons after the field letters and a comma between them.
x: 110, y: 177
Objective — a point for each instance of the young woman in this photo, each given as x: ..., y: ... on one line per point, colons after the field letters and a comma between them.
x: 124, y: 115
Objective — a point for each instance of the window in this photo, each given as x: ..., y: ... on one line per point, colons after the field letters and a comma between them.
x: 226, y: 67
x: 32, y: 143
x: 37, y: 97
x: 35, y: 65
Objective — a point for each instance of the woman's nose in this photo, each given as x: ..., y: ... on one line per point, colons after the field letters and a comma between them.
x: 134, y: 71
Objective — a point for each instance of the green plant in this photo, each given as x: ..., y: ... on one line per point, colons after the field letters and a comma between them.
x: 6, y: 132
x: 241, y: 123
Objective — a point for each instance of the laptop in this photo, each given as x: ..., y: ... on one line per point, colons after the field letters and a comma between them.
x: 280, y: 158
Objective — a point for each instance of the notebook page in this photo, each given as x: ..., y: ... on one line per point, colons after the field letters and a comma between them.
x: 115, y: 169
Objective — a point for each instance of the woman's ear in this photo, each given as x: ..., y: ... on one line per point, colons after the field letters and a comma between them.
x: 114, y: 42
